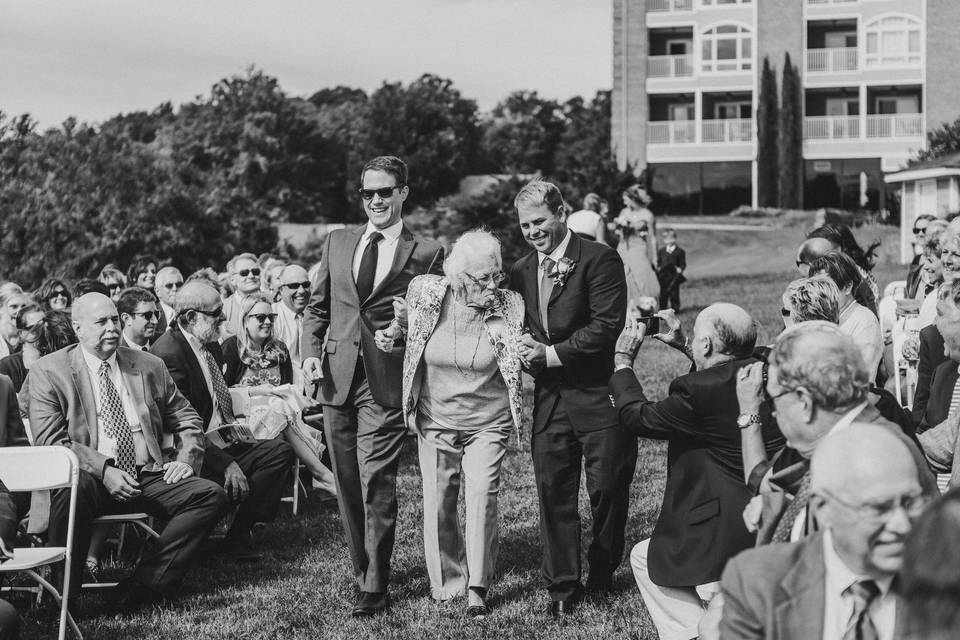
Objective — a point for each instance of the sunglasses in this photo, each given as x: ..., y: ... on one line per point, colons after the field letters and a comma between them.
x: 59, y: 293
x: 384, y: 193
x: 919, y: 230
x: 114, y: 286
x: 171, y: 285
x: 213, y: 314
x: 297, y: 285
x: 148, y: 315
x: 243, y: 273
x: 263, y: 317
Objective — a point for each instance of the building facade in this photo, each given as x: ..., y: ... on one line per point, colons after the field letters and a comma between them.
x: 875, y: 76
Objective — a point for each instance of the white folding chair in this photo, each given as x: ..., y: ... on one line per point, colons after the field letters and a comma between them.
x: 44, y: 469
x: 137, y: 521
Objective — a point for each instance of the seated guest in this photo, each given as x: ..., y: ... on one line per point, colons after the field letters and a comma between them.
x: 930, y: 578
x: 139, y: 317
x: 588, y: 223
x: 699, y: 527
x: 53, y: 294
x: 842, y: 237
x: 40, y: 334
x: 168, y: 283
x: 84, y: 286
x: 254, y: 475
x: 462, y: 395
x: 211, y: 277
x: 259, y: 363
x: 245, y: 276
x: 143, y: 271
x: 12, y: 299
x: 855, y: 320
x: 270, y: 277
x: 917, y: 242
x: 114, y: 408
x: 815, y: 298
x: 295, y: 289
x: 113, y: 279
x: 837, y: 584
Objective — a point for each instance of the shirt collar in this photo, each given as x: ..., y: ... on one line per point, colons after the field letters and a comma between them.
x: 558, y: 252
x: 192, y: 339
x: 391, y: 233
x: 93, y: 362
x: 839, y: 577
x: 849, y: 417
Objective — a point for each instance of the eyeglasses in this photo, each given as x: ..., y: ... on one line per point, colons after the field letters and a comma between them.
x: 59, y: 293
x: 213, y: 314
x: 782, y: 393
x: 293, y: 286
x: 494, y: 278
x: 32, y: 328
x: 114, y: 286
x: 171, y: 285
x: 384, y: 193
x: 913, y: 505
x: 263, y: 317
x: 918, y: 230
x: 148, y: 315
x: 243, y: 273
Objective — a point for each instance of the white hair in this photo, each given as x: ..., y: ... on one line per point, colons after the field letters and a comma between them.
x: 473, y: 247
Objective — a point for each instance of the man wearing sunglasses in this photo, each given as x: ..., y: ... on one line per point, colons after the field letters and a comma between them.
x: 294, y: 296
x: 244, y: 273
x: 360, y: 274
x: 138, y: 316
x: 169, y: 281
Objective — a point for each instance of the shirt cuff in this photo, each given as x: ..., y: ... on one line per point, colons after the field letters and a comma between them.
x: 552, y: 359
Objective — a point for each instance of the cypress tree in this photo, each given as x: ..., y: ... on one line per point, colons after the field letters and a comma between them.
x: 768, y: 160
x: 791, y: 138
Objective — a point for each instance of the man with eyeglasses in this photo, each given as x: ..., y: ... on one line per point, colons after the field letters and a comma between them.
x: 839, y: 583
x: 360, y: 274
x: 295, y: 289
x: 168, y: 283
x: 244, y: 270
x: 138, y: 316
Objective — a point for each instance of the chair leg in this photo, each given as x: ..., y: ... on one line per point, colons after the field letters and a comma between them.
x: 64, y: 612
x: 296, y: 486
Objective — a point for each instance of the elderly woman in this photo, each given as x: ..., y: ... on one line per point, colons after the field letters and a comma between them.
x: 53, y: 295
x: 462, y: 395
x: 815, y: 298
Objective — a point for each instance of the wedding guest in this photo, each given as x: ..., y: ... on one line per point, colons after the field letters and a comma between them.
x: 139, y: 318
x: 143, y: 271
x: 168, y: 283
x: 114, y: 280
x: 462, y: 394
x: 637, y: 200
x: 53, y: 294
x: 83, y: 286
x: 588, y: 223
x: 294, y: 289
x: 917, y: 242
x: 244, y: 273
x: 840, y: 235
x: 41, y: 333
x: 634, y: 250
x: 673, y: 262
x: 816, y: 298
x: 12, y: 299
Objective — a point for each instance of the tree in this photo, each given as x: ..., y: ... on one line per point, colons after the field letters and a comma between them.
x: 768, y: 161
x: 521, y: 134
x: 941, y: 141
x: 791, y: 138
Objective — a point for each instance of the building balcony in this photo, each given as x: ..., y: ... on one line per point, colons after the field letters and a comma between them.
x: 901, y: 125
x: 832, y: 60
x: 821, y: 2
x: 670, y: 66
x: 669, y: 5
x: 704, y: 131
x: 727, y: 130
x: 672, y: 132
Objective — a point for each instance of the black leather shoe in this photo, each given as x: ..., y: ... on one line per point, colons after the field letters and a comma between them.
x: 370, y: 604
x: 599, y: 586
x: 129, y: 596
x: 477, y: 611
x: 561, y: 608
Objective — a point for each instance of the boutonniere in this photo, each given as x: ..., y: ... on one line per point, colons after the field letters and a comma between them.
x: 561, y: 271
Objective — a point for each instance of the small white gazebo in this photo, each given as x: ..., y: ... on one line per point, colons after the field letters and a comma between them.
x: 931, y: 187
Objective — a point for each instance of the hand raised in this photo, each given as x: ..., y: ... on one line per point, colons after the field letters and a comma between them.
x: 673, y: 335
x: 631, y: 338
x: 751, y: 391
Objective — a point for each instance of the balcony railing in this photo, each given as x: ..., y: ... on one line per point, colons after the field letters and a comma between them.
x: 901, y: 125
x: 831, y: 1
x: 670, y: 5
x: 672, y: 132
x: 831, y: 127
x: 728, y: 130
x: 831, y: 60
x: 670, y: 66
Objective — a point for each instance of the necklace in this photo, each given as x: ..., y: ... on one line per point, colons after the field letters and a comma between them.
x: 476, y: 348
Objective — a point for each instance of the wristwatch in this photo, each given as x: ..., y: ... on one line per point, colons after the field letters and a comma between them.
x: 747, y: 419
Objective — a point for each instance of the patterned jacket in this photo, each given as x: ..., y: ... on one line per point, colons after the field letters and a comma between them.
x: 504, y: 323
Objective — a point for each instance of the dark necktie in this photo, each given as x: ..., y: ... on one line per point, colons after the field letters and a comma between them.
x: 224, y: 403
x: 546, y: 288
x: 115, y: 423
x: 368, y: 266
x: 796, y: 506
x: 863, y: 593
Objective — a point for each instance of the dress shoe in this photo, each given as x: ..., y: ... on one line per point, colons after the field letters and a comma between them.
x: 370, y: 604
x: 239, y: 548
x: 477, y: 611
x: 561, y: 608
x: 599, y: 586
x: 129, y: 596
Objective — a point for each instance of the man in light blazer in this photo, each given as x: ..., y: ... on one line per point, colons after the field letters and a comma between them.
x: 139, y: 445
x: 361, y: 272
x: 865, y: 494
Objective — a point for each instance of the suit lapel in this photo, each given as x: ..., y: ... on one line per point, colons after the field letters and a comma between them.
x: 405, y: 245
x: 81, y: 379
x: 573, y: 253
x: 531, y: 289
x: 347, y: 260
x: 133, y: 379
x: 801, y: 614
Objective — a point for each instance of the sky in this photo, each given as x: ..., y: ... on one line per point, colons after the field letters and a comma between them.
x: 93, y: 59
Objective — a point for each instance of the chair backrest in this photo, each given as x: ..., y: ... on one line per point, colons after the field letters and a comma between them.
x: 38, y: 468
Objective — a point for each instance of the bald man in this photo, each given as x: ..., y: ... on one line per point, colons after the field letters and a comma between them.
x: 699, y: 526
x: 866, y: 495
x: 294, y: 297
x: 810, y: 250
x: 168, y: 283
x: 139, y: 443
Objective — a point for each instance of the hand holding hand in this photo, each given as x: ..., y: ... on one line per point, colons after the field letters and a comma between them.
x: 533, y: 354
x: 389, y: 340
x: 311, y: 369
x: 673, y: 335
x: 174, y: 472
x: 120, y: 485
x: 235, y: 482
x: 751, y: 390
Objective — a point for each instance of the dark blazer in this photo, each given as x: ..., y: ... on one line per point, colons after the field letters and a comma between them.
x: 63, y: 409
x: 12, y: 432
x: 172, y: 347
x: 233, y: 367
x: 12, y: 367
x: 339, y: 327
x: 776, y: 592
x: 931, y: 357
x: 941, y: 445
x: 678, y: 258
x: 586, y: 316
x: 700, y: 524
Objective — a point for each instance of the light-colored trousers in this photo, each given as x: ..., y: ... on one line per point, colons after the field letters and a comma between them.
x: 445, y: 456
x: 675, y: 612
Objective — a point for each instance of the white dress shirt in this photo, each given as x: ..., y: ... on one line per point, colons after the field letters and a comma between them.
x: 105, y: 444
x: 288, y: 329
x: 552, y: 359
x: 196, y: 345
x: 385, y: 250
x: 838, y: 606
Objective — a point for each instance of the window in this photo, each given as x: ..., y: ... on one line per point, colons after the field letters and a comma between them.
x: 727, y: 48
x: 894, y: 40
x: 732, y: 110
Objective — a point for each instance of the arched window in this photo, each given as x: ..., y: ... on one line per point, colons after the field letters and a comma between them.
x: 894, y: 40
x: 727, y: 47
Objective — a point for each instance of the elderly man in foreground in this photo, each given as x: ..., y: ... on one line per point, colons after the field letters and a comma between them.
x: 838, y: 583
x: 114, y: 407
x: 699, y: 528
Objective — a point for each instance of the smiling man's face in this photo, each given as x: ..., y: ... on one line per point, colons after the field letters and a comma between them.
x: 383, y: 212
x: 542, y: 229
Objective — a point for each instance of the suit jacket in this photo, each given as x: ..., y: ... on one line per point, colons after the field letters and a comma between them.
x: 63, y: 409
x: 340, y: 327
x: 700, y: 524
x: 777, y: 592
x: 678, y: 258
x: 12, y: 432
x: 586, y: 315
x: 172, y: 347
x: 940, y: 443
x: 931, y: 356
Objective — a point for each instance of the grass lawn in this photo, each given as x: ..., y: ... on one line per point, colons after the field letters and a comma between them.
x: 304, y: 588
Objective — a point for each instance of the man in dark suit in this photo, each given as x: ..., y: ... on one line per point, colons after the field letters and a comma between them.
x: 139, y: 443
x: 253, y: 475
x: 138, y: 316
x: 838, y: 583
x: 700, y: 525
x: 931, y: 354
x: 576, y: 297
x: 361, y: 272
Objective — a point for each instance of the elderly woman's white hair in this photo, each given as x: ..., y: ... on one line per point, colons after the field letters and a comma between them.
x: 473, y: 248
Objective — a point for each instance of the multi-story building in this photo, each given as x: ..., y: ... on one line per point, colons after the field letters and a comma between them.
x: 875, y: 76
